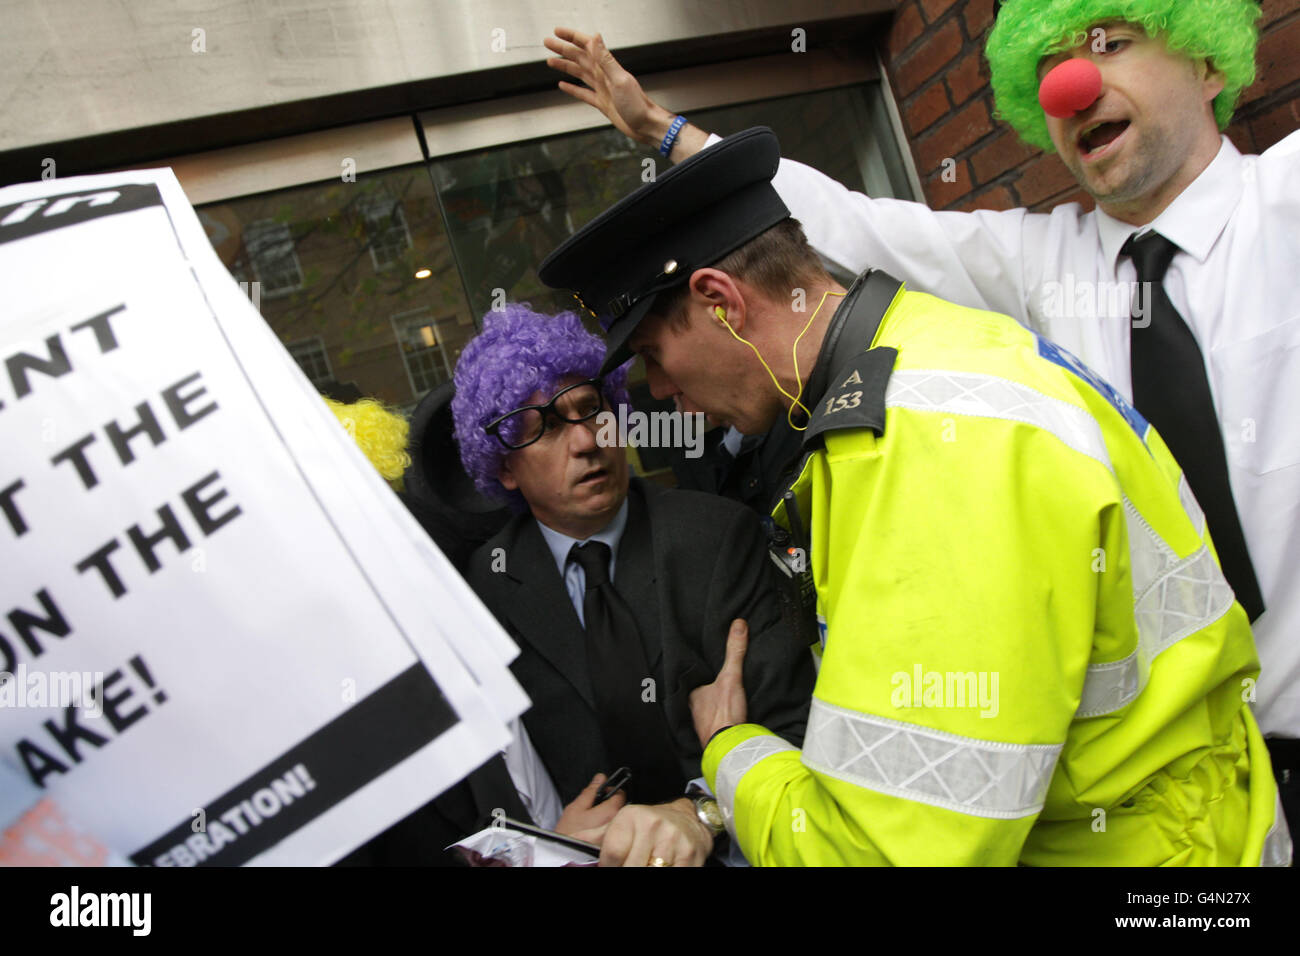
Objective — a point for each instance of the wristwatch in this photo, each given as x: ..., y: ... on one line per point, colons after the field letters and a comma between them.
x: 707, y: 810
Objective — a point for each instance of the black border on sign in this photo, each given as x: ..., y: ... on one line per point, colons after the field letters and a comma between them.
x: 337, y: 760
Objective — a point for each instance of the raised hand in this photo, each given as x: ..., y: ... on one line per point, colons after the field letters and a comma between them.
x: 609, y: 88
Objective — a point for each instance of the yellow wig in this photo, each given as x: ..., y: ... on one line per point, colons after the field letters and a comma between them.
x: 380, y: 432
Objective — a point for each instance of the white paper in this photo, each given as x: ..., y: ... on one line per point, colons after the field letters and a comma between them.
x: 289, y: 591
x: 539, y: 852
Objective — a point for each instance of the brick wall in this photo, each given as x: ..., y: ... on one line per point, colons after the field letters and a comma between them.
x: 934, y: 56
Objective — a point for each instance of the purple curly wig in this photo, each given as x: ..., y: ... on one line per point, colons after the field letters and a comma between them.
x: 519, y: 352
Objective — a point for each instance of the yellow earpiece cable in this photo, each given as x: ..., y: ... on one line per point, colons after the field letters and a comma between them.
x: 794, y: 351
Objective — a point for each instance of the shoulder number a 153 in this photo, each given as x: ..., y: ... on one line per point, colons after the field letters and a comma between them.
x: 839, y: 403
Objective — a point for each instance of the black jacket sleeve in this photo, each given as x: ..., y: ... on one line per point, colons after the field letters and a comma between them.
x: 779, y: 673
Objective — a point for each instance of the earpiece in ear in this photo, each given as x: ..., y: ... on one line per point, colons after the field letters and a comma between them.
x: 721, y: 313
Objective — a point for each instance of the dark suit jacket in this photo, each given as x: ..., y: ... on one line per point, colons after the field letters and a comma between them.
x: 754, y: 477
x: 688, y: 568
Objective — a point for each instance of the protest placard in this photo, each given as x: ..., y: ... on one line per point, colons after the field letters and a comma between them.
x: 222, y: 638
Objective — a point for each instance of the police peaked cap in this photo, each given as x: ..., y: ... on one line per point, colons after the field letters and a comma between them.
x: 690, y: 217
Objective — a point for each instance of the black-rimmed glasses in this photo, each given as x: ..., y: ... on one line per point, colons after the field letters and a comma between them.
x: 579, y: 402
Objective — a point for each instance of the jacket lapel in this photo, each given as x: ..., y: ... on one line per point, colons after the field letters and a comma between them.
x: 540, y: 609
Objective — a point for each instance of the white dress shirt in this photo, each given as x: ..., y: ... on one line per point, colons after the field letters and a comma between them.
x: 531, y: 779
x: 1235, y: 280
x: 731, y: 441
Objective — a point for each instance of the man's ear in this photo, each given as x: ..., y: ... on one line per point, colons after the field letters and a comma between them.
x: 712, y: 290
x: 1211, y: 79
x: 507, y: 477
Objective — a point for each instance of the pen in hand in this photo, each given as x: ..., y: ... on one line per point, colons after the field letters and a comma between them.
x: 616, y: 782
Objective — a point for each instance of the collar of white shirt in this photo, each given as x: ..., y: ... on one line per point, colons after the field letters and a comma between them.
x: 1196, y: 217
x: 560, y: 544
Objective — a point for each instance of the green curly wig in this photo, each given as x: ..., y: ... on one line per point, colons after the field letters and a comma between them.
x: 1221, y: 31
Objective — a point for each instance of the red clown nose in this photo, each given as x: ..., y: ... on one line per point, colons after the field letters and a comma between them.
x: 1070, y: 87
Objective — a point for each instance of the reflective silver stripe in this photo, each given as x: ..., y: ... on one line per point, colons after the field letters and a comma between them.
x: 983, y: 778
x: 1149, y: 556
x: 1108, y: 687
x: 738, y: 762
x: 1172, y: 599
x: 1189, y: 596
x: 1190, y: 505
x: 987, y: 396
x: 1277, y: 844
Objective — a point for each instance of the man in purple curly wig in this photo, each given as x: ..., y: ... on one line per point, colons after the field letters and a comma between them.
x: 518, y: 353
x: 602, y: 580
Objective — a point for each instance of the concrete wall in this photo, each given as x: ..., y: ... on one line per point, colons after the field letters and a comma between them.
x: 76, y: 69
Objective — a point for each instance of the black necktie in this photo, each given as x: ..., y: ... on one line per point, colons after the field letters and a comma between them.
x: 631, y: 716
x: 1171, y: 389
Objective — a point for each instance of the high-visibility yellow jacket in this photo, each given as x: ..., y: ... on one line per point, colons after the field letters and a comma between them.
x: 1030, y: 654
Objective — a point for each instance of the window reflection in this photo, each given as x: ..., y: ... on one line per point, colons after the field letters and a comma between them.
x: 508, y: 207
x: 423, y: 338
x: 336, y: 267
x: 386, y: 230
x: 270, y: 250
x: 312, y: 358
x: 376, y: 285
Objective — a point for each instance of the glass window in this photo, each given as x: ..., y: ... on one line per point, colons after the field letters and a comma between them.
x: 508, y: 207
x: 386, y: 228
x: 270, y: 250
x: 336, y: 263
x: 375, y: 285
x: 312, y: 359
x: 422, y: 339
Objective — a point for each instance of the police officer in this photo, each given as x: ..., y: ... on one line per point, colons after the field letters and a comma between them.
x: 1134, y: 98
x: 1029, y: 653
